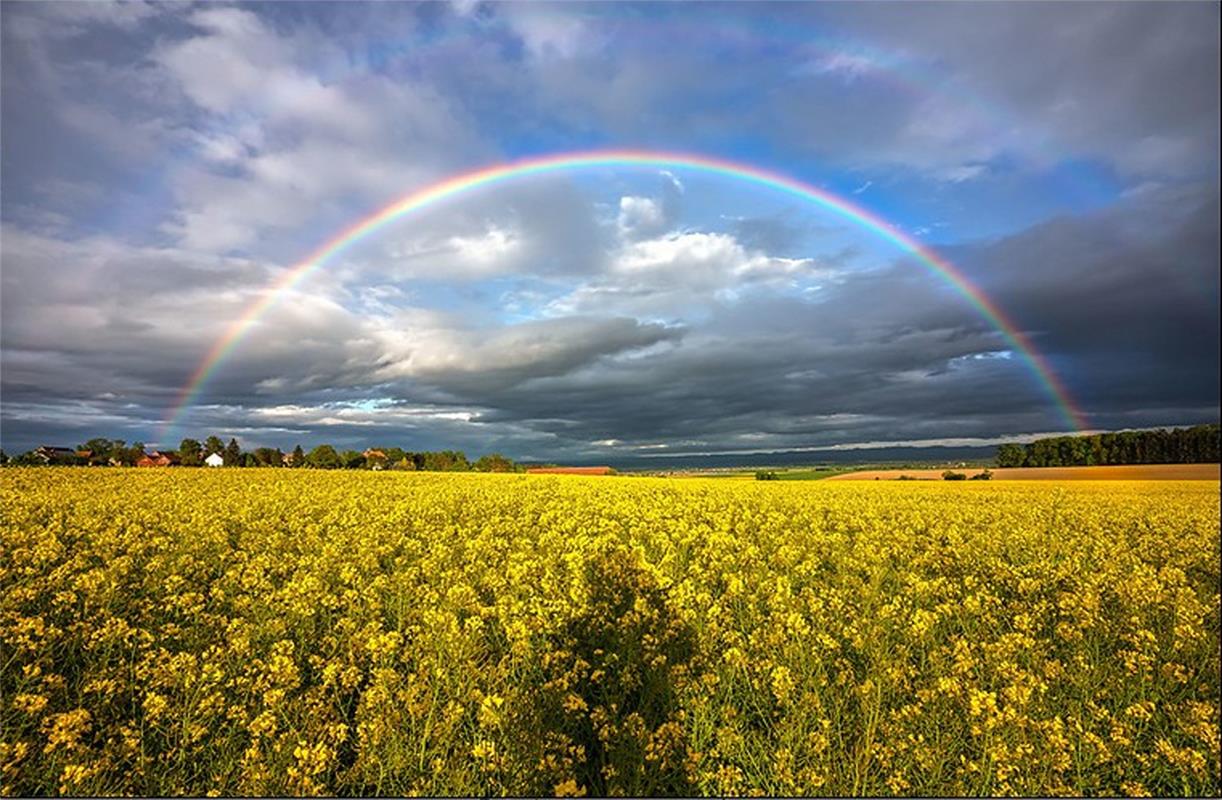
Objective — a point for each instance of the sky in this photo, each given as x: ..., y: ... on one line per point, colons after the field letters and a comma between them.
x: 163, y: 165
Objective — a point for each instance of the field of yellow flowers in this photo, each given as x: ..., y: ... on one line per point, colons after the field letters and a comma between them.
x: 293, y: 632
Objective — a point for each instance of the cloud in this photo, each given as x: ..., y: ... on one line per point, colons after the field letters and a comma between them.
x: 72, y: 19
x: 547, y: 33
x: 164, y: 165
x: 281, y: 144
x: 876, y: 356
x: 964, y: 172
x: 470, y: 359
x: 641, y: 217
x: 541, y: 228
x: 134, y: 321
x: 678, y: 273
x: 1136, y: 84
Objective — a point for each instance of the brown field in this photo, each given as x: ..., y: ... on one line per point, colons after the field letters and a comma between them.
x: 1125, y: 472
x: 568, y: 471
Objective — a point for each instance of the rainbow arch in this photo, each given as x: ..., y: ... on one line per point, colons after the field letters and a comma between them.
x: 501, y: 173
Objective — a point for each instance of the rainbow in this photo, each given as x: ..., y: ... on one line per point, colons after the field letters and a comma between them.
x: 502, y: 173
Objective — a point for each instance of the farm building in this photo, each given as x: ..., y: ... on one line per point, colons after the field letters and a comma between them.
x: 158, y: 459
x: 48, y: 454
x: 215, y: 460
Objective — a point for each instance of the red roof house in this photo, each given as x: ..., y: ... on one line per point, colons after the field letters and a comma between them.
x: 157, y: 459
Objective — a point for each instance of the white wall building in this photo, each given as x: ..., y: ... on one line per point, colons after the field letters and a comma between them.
x: 215, y: 460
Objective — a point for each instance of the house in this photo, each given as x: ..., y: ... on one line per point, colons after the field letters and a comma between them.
x: 215, y: 460
x: 570, y: 471
x: 287, y: 459
x: 48, y: 454
x: 375, y: 459
x: 157, y: 459
x: 90, y: 458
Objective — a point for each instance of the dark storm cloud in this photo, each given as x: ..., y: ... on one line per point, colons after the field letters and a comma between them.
x: 1125, y: 301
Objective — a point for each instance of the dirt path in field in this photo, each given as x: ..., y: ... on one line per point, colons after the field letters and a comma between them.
x: 1125, y: 472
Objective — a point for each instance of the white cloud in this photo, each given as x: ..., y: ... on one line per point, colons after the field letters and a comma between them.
x: 490, y: 249
x: 678, y: 273
x: 848, y: 65
x: 435, y: 346
x: 282, y: 145
x: 640, y: 215
x: 386, y: 412
x: 708, y: 259
x: 962, y: 172
x: 75, y: 18
x: 464, y: 8
x: 547, y: 34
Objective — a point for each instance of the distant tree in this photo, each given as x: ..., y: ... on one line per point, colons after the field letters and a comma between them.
x: 766, y: 476
x: 446, y: 461
x: 3, y: 457
x: 1010, y: 455
x: 233, y: 454
x: 1100, y: 448
x: 1206, y: 443
x: 324, y: 457
x: 299, y: 458
x: 268, y: 457
x: 982, y: 476
x: 213, y: 444
x: 100, y: 450
x: 352, y: 459
x: 1041, y: 453
x: 394, y: 455
x: 117, y: 448
x: 494, y: 462
x: 249, y: 460
x: 1198, y: 444
x: 1107, y: 448
x: 190, y: 453
x: 949, y: 475
x: 128, y: 456
x: 406, y: 464
x: 1128, y: 447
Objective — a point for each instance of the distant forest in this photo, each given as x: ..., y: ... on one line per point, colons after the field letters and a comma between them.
x: 1195, y: 445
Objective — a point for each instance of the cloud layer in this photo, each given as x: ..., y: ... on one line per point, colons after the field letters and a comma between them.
x: 164, y: 164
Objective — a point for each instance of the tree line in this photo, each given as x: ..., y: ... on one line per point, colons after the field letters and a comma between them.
x: 1196, y: 445
x: 193, y: 453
